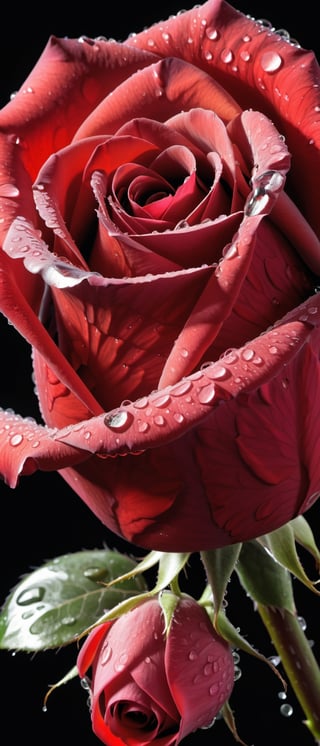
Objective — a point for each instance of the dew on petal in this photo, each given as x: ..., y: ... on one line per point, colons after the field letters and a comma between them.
x: 257, y: 202
x: 212, y: 33
x: 271, y: 61
x: 159, y: 420
x: 207, y: 394
x: 178, y: 417
x: 226, y: 56
x: 105, y: 654
x: 119, y: 421
x: 9, y: 190
x: 161, y: 400
x: 141, y: 403
x: 181, y: 388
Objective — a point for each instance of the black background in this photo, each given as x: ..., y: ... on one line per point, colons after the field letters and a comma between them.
x: 42, y: 518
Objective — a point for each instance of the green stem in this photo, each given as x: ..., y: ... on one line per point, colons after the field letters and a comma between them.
x: 298, y: 661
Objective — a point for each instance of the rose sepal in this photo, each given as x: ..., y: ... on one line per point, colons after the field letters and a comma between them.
x: 220, y: 621
x: 282, y: 545
x: 304, y: 536
x: 219, y: 564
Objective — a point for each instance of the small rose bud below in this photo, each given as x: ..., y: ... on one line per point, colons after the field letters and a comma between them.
x: 148, y: 684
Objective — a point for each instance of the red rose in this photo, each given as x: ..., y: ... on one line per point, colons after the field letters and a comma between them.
x: 163, y: 268
x: 150, y: 686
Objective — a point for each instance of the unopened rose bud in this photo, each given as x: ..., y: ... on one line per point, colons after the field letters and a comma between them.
x: 149, y: 684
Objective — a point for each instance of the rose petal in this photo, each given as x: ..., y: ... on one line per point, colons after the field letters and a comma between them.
x: 258, y: 73
x: 69, y: 80
x: 199, y: 667
x: 159, y: 91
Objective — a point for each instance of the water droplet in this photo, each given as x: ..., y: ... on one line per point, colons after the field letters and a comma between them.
x: 207, y: 670
x: 226, y: 56
x: 95, y: 573
x: 275, y: 660
x: 229, y: 252
x: 106, y: 653
x: 16, y: 440
x: 271, y: 61
x: 245, y: 55
x: 181, y: 388
x: 247, y: 354
x: 143, y: 426
x: 207, y: 394
x: 213, y: 689
x: 237, y: 673
x: 84, y: 683
x: 282, y: 695
x: 121, y: 662
x: 27, y: 614
x: 9, y: 190
x: 302, y: 622
x: 159, y: 420
x: 212, y: 33
x: 119, y: 421
x: 270, y: 180
x: 141, y: 403
x: 192, y: 655
x: 30, y: 596
x: 178, y: 417
x: 286, y: 710
x: 257, y: 202
x: 68, y: 621
x: 161, y: 401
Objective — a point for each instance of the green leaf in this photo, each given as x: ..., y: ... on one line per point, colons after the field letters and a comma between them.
x: 55, y: 604
x: 264, y: 578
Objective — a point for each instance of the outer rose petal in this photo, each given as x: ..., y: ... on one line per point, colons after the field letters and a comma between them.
x: 159, y: 91
x: 119, y: 491
x: 255, y: 73
x: 199, y: 667
x: 69, y: 80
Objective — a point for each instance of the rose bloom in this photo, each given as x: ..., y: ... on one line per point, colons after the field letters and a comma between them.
x: 148, y: 686
x: 160, y: 217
